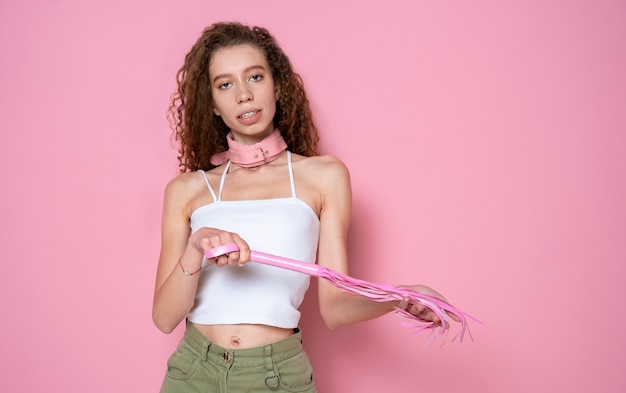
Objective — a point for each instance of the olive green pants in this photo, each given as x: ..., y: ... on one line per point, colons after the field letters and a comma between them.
x: 201, y: 366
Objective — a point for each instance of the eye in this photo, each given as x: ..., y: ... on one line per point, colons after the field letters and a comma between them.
x: 224, y: 85
x: 256, y: 77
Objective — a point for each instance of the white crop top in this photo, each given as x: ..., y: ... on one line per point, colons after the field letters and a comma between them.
x: 256, y: 293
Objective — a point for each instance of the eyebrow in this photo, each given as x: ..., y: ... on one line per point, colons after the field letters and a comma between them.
x: 248, y: 69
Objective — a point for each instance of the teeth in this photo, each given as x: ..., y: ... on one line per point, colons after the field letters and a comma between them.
x: 248, y: 114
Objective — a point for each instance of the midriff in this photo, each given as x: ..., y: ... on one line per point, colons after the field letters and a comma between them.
x: 243, y: 336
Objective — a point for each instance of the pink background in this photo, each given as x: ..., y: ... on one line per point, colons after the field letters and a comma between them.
x: 486, y: 142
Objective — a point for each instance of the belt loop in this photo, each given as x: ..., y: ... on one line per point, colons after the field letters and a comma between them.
x: 271, y: 378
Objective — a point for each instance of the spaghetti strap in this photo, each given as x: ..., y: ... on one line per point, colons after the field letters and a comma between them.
x: 206, y: 180
x: 219, y: 197
x: 293, y: 183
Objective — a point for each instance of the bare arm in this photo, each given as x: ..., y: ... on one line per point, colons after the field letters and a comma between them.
x: 174, y: 291
x: 337, y: 307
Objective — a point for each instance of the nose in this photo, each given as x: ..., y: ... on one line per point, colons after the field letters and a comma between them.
x: 244, y: 94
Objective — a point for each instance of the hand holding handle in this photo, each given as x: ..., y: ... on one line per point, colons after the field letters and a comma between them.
x: 221, y: 250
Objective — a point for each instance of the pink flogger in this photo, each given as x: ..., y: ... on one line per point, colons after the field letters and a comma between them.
x: 376, y: 292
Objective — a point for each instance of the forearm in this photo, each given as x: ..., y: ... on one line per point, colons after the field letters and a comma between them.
x: 175, y: 297
x: 339, y: 308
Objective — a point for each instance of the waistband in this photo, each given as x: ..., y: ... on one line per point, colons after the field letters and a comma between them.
x: 249, y: 357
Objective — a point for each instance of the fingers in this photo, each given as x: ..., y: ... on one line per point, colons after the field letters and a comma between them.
x: 212, y: 238
x: 243, y: 255
x: 418, y: 310
x: 230, y: 259
x: 404, y: 303
x: 453, y: 316
x: 426, y: 314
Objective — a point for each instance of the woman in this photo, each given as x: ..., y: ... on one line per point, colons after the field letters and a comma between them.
x: 251, y: 175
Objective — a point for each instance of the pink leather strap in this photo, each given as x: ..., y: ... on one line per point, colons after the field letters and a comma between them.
x: 375, y: 292
x: 249, y: 156
x: 221, y: 250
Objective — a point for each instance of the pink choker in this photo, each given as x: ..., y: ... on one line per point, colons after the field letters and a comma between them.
x: 249, y: 156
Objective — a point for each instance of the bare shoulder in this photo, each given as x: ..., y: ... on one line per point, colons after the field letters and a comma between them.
x: 185, y: 189
x: 326, y: 166
x: 323, y: 181
x: 183, y: 183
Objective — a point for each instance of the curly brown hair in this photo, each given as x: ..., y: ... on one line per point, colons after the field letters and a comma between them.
x: 200, y: 132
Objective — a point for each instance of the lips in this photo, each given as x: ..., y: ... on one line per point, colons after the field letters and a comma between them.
x: 247, y: 115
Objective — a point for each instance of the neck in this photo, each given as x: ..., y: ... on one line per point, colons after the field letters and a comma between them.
x: 249, y: 156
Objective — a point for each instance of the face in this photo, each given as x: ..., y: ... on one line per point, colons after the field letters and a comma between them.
x: 243, y: 92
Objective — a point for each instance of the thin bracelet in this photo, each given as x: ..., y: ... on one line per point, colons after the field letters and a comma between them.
x: 187, y: 272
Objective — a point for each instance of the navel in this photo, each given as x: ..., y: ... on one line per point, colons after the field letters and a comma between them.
x: 235, y: 341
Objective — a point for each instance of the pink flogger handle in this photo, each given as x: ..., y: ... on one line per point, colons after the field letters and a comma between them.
x: 376, y: 292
